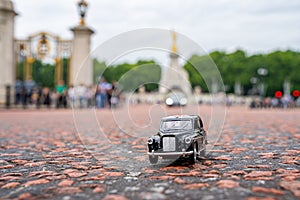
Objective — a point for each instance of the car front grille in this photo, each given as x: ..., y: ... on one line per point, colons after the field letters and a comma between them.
x: 169, y: 144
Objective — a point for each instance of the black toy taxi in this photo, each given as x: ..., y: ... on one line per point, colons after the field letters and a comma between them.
x: 178, y: 136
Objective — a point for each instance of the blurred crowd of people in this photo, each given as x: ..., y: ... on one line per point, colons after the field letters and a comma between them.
x: 105, y: 94
x: 286, y: 101
x: 101, y: 95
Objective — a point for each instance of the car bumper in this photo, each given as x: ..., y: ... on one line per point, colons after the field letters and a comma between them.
x: 183, y: 153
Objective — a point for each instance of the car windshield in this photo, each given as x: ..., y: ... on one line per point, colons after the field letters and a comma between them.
x: 177, y: 96
x: 176, y: 125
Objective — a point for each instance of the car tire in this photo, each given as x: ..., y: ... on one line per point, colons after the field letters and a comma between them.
x: 193, y: 156
x: 153, y: 159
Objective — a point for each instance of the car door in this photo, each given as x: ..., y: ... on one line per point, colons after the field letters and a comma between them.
x: 197, y: 131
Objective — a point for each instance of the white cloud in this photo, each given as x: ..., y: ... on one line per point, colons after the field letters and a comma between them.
x: 220, y: 24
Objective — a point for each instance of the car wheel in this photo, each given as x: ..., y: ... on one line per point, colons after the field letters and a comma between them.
x: 153, y: 159
x: 193, y: 156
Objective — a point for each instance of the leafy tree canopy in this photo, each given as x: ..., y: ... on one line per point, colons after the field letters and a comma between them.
x: 130, y: 76
x: 240, y: 67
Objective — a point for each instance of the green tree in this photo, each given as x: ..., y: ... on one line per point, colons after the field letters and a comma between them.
x: 43, y: 73
x: 130, y: 75
x: 240, y: 67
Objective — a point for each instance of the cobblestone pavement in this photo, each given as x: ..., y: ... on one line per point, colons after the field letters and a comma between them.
x: 43, y: 157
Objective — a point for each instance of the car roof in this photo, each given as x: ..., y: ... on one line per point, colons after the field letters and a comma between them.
x: 176, y: 94
x: 176, y: 117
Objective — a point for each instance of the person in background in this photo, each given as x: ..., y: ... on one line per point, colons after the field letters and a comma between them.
x: 80, y: 93
x: 61, y: 94
x: 45, y: 97
x: 115, y: 94
x: 101, y: 94
x: 18, y: 91
x: 24, y: 97
x: 89, y: 93
x: 36, y: 96
x: 29, y: 86
x: 71, y: 95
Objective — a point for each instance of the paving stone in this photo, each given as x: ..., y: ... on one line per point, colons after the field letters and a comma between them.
x: 76, y: 174
x: 12, y: 174
x: 66, y: 183
x: 163, y: 184
x: 113, y: 191
x: 227, y: 184
x: 258, y: 166
x: 34, y: 164
x: 25, y: 196
x: 114, y: 197
x: 157, y: 189
x: 129, y: 178
x: 261, y: 198
x: 56, y: 177
x: 258, y: 174
x: 114, y: 174
x: 36, y: 182
x: 19, y: 162
x: 68, y: 190
x: 134, y: 174
x: 132, y: 189
x: 195, y: 186
x: 10, y: 178
x: 179, y: 181
x: 98, y: 190
x: 10, y: 185
x: 7, y: 166
x: 223, y: 158
x: 191, y: 173
x: 169, y: 191
x: 293, y: 186
x: 152, y: 196
x: 38, y: 173
x: 267, y: 190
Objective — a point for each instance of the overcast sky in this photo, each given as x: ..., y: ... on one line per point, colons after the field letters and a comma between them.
x: 252, y: 25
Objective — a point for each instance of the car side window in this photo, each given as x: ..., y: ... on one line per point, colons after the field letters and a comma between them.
x: 197, y: 125
x: 200, y: 123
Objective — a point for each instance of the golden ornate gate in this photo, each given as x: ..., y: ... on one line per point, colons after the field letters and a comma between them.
x: 46, y: 47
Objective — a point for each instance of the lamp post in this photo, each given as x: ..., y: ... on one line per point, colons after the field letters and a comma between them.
x: 81, y: 46
x: 262, y: 88
x: 253, y: 81
x: 262, y: 72
x: 82, y: 9
x: 28, y: 68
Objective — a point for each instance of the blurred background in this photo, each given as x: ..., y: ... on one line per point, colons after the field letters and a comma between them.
x: 254, y: 44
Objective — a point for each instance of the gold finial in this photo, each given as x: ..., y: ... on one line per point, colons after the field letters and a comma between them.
x: 30, y: 60
x: 174, y: 46
x: 57, y: 60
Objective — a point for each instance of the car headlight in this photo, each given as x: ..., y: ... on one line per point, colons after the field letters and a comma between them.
x: 187, y: 140
x: 150, y: 141
x: 169, y: 101
x: 183, y: 101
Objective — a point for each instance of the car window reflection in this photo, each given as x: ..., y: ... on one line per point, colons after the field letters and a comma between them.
x: 176, y: 125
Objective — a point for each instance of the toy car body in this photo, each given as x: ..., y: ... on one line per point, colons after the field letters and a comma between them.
x: 178, y: 136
